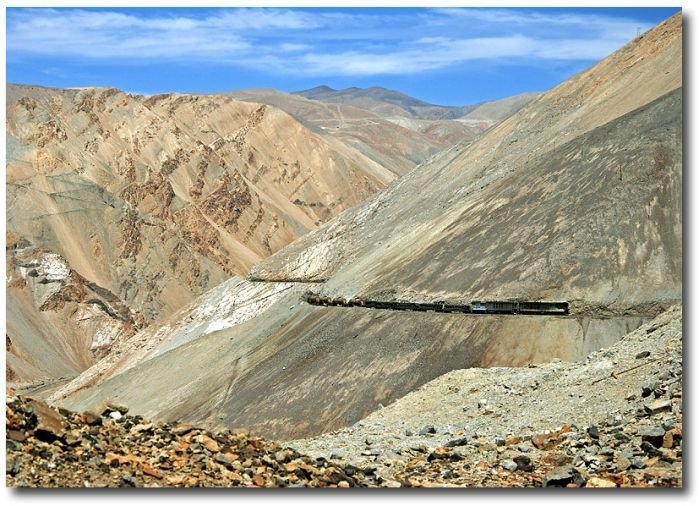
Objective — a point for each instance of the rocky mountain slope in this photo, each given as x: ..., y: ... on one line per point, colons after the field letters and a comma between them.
x: 587, y: 171
x: 395, y: 147
x: 122, y: 208
x: 617, y: 416
x: 613, y: 420
x: 385, y: 103
x: 432, y: 125
x: 576, y: 197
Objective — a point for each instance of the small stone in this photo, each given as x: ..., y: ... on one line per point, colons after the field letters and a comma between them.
x: 622, y: 437
x: 13, y: 446
x: 408, y: 433
x: 652, y: 435
x: 17, y: 435
x: 606, y: 451
x: 115, y: 415
x: 284, y: 456
x: 500, y: 441
x: 643, y: 354
x: 509, y: 465
x: 428, y: 429
x: 524, y: 447
x: 596, y: 482
x: 49, y: 426
x: 343, y: 484
x: 208, y: 443
x: 181, y: 429
x: 91, y: 419
x: 223, y: 459
x: 648, y: 388
x: 462, y: 441
x: 545, y: 441
x: 258, y: 480
x: 72, y: 439
x: 482, y: 403
x: 524, y: 463
x: 563, y: 476
x: 622, y: 464
x: 593, y: 432
x: 649, y: 449
x: 13, y: 467
x: 128, y: 480
x: 658, y: 406
x: 637, y: 463
x: 151, y: 472
x: 118, y: 407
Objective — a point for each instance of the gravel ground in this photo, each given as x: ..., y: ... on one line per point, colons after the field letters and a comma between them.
x: 482, y: 414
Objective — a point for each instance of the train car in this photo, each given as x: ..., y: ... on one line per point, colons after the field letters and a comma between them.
x: 494, y: 307
x: 378, y: 304
x: 339, y: 301
x: 544, y: 308
x: 357, y: 302
x: 456, y: 308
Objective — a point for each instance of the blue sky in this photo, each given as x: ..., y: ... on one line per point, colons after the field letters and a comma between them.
x: 446, y: 56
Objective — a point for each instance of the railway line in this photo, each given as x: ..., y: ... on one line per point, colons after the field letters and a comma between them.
x: 554, y: 308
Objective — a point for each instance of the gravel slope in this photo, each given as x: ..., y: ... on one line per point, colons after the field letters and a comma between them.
x: 613, y: 387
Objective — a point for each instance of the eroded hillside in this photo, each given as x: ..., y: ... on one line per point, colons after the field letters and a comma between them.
x: 393, y: 146
x: 153, y: 200
x: 389, y: 127
x: 575, y: 197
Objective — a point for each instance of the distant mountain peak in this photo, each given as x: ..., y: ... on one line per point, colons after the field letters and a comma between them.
x: 321, y: 88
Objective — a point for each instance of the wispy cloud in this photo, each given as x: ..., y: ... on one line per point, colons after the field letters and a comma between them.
x: 318, y: 42
x: 100, y: 34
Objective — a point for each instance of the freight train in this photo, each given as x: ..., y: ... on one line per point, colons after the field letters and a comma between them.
x: 476, y: 306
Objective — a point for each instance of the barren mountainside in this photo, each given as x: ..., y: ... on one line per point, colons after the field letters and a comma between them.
x: 393, y: 146
x: 122, y: 208
x: 384, y: 102
x: 576, y: 197
x: 387, y: 125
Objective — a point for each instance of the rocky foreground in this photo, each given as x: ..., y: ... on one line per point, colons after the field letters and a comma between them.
x: 50, y: 448
x: 622, y: 412
x: 613, y: 419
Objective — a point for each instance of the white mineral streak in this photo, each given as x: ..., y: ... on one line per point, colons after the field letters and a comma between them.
x: 53, y: 268
x: 240, y: 305
x: 313, y: 262
x: 105, y: 335
x: 233, y: 302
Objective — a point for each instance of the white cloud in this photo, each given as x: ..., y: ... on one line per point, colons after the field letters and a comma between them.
x: 323, y: 43
x: 105, y: 34
x: 290, y: 47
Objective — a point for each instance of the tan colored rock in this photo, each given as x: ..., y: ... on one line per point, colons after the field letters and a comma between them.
x: 49, y: 424
x: 596, y: 482
x: 208, y: 443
